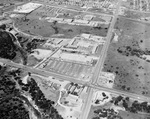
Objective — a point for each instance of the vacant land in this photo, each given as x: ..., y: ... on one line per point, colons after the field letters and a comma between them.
x: 100, y: 10
x: 135, y: 14
x: 47, y: 29
x: 125, y: 57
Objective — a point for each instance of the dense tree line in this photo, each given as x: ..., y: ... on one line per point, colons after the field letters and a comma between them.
x: 7, y: 47
x: 135, y: 107
x: 46, y: 106
x: 11, y: 107
x: 12, y: 101
x: 109, y: 113
x: 129, y: 51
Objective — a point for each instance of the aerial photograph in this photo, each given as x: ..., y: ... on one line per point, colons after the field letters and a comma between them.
x: 74, y: 59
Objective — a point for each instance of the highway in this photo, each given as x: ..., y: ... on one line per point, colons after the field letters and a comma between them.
x: 71, y: 79
x: 99, y: 64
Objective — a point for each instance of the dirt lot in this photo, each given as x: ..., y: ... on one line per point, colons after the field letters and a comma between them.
x: 125, y: 57
x: 47, y: 29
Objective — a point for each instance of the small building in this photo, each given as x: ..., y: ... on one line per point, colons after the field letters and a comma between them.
x: 93, y: 23
x: 68, y: 20
x: 78, y: 21
x: 72, y: 88
x: 57, y: 19
x: 85, y: 35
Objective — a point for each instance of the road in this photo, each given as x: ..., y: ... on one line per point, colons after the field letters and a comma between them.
x: 71, y: 79
x: 105, y: 48
x: 43, y: 72
x: 99, y: 64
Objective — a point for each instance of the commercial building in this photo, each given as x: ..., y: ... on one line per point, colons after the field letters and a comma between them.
x: 27, y: 8
x: 78, y: 21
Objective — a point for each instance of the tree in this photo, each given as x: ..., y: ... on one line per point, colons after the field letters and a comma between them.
x: 3, y: 26
x: 125, y: 104
x: 144, y: 106
x: 118, y: 99
x: 7, y: 47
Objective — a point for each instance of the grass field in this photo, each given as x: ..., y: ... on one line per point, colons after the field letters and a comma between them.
x: 47, y: 29
x: 135, y: 14
x: 125, y: 57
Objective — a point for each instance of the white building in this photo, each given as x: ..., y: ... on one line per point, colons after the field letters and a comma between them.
x: 81, y: 21
x: 27, y: 8
x: 84, y: 35
x: 68, y: 20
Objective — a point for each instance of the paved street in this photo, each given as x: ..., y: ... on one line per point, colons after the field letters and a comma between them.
x: 100, y: 63
x: 101, y: 60
x: 45, y: 73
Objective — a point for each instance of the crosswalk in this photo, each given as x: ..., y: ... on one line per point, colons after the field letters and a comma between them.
x: 76, y: 70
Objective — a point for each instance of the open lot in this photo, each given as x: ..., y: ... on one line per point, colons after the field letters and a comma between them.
x: 136, y: 15
x: 127, y: 58
x: 47, y: 29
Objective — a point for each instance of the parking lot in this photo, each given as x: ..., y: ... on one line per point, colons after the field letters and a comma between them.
x: 76, y: 70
